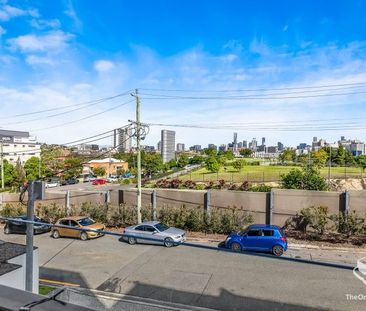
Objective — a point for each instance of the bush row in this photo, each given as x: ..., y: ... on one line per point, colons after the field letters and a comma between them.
x: 223, y: 220
x: 319, y: 220
x: 220, y: 184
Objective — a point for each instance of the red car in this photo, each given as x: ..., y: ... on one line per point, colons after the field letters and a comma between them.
x: 99, y: 181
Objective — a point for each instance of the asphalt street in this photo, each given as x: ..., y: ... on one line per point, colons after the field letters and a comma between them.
x: 196, y: 276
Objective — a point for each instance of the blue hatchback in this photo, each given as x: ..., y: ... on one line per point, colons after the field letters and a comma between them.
x: 264, y: 238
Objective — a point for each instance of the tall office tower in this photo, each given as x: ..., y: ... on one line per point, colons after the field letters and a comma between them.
x: 167, y: 145
x: 280, y: 146
x: 124, y: 140
x: 115, y: 133
x: 263, y: 141
x: 235, y: 142
x: 254, y: 144
x: 158, y: 147
x: 245, y: 144
x: 180, y: 147
x: 315, y: 139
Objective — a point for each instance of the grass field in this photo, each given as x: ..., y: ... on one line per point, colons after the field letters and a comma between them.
x: 264, y: 173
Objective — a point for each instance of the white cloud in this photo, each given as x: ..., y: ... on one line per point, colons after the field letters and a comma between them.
x: 103, y: 65
x: 2, y: 30
x: 8, y: 12
x: 41, y: 24
x: 70, y: 12
x: 53, y: 40
x: 39, y: 60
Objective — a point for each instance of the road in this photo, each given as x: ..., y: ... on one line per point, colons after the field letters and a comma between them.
x: 196, y: 276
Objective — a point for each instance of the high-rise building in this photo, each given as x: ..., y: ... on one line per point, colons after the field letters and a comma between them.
x: 235, y: 142
x: 280, y: 146
x: 180, y: 147
x: 167, y: 145
x: 195, y: 148
x: 263, y: 141
x: 222, y: 147
x: 212, y: 146
x: 124, y: 140
x: 253, y: 145
x: 245, y: 144
x: 158, y: 146
x: 315, y: 139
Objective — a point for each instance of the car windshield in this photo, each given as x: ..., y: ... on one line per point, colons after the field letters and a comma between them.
x: 86, y: 221
x: 161, y: 227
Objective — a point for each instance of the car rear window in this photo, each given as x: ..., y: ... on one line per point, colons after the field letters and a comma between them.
x: 268, y: 233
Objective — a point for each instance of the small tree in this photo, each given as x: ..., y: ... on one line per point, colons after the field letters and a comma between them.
x: 246, y: 153
x: 212, y: 165
x: 99, y: 171
x: 238, y: 164
x: 308, y: 178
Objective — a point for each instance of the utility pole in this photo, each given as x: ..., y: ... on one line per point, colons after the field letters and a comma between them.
x: 2, y: 164
x: 138, y: 131
x: 29, y: 239
x: 329, y: 164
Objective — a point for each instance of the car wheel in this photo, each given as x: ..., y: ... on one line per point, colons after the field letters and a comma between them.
x: 168, y: 242
x: 277, y: 250
x: 83, y: 236
x: 55, y: 234
x: 6, y: 230
x: 131, y: 240
x: 235, y: 247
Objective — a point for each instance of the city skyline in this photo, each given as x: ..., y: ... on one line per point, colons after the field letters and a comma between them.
x: 53, y: 56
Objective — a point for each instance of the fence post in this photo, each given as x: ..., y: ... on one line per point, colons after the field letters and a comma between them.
x: 67, y: 202
x: 153, y: 203
x: 107, y: 197
x: 121, y: 197
x: 270, y: 207
x: 346, y: 202
x: 207, y: 202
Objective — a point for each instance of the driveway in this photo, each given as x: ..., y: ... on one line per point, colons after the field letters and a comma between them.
x: 196, y: 276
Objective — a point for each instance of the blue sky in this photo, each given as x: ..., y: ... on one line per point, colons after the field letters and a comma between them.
x: 60, y: 53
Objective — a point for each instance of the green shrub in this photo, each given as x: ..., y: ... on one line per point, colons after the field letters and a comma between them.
x: 316, y: 217
x: 349, y: 224
x: 260, y: 188
x: 97, y: 212
x: 10, y: 210
x: 51, y: 212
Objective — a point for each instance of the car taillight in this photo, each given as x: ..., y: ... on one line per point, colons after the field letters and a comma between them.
x: 283, y: 239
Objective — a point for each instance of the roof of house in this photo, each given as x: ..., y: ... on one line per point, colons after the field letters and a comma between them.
x: 8, y: 251
x: 106, y: 160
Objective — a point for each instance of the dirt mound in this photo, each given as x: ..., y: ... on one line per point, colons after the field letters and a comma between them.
x: 348, y: 184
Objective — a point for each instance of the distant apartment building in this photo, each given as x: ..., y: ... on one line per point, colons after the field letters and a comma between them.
x: 124, y: 140
x: 245, y: 144
x: 318, y: 144
x: 354, y: 146
x: 20, y: 145
x: 167, y: 145
x: 148, y: 148
x: 196, y: 148
x: 280, y: 146
x: 212, y: 146
x: 253, y: 145
x: 222, y: 147
x: 235, y: 142
x: 181, y: 147
x: 158, y: 146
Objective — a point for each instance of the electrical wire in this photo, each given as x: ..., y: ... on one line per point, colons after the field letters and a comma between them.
x: 68, y: 106
x: 82, y: 119
x: 97, y: 102
x: 356, y: 84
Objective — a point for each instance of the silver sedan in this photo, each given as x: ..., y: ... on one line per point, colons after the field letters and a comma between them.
x: 154, y: 232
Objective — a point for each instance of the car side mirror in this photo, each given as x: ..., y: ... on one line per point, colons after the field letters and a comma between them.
x: 155, y: 231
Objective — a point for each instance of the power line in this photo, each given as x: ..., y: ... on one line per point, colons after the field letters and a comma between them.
x: 250, y: 97
x: 81, y: 119
x: 96, y: 102
x: 68, y: 106
x: 259, y: 89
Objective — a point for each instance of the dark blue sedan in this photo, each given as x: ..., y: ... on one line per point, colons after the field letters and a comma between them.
x: 263, y: 238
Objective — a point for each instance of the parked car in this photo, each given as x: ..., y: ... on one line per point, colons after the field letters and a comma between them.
x: 112, y: 179
x: 89, y: 178
x: 52, y: 182
x: 79, y: 222
x: 264, y: 238
x: 70, y: 181
x: 99, y: 181
x: 154, y: 232
x: 14, y: 226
